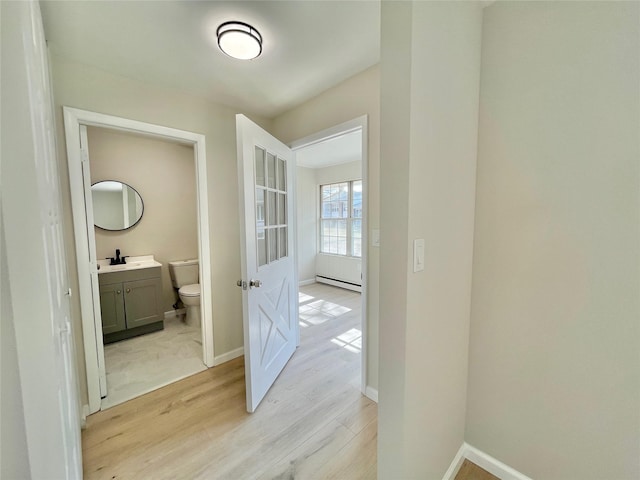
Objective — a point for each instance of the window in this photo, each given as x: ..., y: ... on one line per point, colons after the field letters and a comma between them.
x: 341, y: 218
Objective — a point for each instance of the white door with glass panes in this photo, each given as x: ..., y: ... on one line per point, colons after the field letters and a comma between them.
x: 269, y: 280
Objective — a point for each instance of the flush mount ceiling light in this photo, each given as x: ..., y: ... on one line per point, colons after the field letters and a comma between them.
x: 239, y: 40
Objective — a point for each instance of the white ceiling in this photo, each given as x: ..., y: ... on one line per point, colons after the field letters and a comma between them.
x: 308, y: 46
x: 334, y: 151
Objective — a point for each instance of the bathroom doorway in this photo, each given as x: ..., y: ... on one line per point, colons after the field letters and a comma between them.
x: 332, y: 247
x: 76, y: 121
x: 154, y: 180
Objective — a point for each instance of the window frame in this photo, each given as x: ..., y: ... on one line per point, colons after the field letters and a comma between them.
x: 349, y: 219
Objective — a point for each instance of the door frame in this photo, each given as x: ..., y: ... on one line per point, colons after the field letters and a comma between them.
x: 361, y: 124
x: 91, y: 322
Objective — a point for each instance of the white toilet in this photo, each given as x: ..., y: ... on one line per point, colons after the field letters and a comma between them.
x: 185, y: 277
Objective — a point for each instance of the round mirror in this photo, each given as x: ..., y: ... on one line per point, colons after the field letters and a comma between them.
x: 116, y: 205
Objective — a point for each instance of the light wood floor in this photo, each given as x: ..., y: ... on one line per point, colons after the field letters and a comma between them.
x: 313, y: 423
x: 470, y: 471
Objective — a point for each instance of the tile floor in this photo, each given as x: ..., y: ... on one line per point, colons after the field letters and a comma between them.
x: 142, y: 364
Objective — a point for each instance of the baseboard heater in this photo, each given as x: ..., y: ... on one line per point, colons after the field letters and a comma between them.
x: 339, y: 283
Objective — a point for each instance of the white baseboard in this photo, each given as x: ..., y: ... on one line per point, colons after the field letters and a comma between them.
x: 302, y: 283
x: 83, y: 416
x: 338, y: 283
x: 493, y: 465
x: 371, y: 393
x: 225, y: 357
x: 174, y: 313
x: 483, y: 460
x: 454, y: 468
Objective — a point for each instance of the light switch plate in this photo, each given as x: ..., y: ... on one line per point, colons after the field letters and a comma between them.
x: 375, y: 237
x: 418, y: 255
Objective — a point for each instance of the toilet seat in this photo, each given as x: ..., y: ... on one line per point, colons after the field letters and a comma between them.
x: 190, y: 290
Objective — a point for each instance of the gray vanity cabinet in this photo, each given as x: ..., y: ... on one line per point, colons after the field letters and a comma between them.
x: 130, y: 303
x: 112, y: 308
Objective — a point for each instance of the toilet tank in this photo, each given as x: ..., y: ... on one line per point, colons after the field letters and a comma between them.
x: 184, y: 272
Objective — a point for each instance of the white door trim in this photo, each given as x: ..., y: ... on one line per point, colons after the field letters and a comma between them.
x: 359, y: 123
x: 92, y: 329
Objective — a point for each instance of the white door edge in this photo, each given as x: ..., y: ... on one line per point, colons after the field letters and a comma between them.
x: 33, y: 249
x: 73, y: 118
x: 93, y: 260
x: 359, y: 123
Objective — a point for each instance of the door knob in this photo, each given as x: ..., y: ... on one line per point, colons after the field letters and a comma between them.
x: 255, y: 283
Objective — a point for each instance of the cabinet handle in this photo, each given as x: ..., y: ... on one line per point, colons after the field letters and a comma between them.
x: 128, y: 290
x: 118, y: 292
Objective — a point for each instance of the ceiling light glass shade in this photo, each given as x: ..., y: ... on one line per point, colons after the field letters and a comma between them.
x: 239, y: 40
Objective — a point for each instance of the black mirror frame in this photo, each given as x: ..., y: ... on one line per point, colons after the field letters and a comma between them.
x: 141, y: 203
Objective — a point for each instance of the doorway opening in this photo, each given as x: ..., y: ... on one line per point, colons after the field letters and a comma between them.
x: 332, y: 235
x: 88, y: 263
x: 144, y: 204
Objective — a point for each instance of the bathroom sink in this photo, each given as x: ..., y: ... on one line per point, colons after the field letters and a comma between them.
x: 133, y: 263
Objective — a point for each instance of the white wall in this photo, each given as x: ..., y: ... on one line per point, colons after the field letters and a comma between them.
x: 14, y: 462
x: 554, y: 384
x: 89, y: 88
x: 163, y: 173
x: 356, y: 96
x: 338, y: 173
x: 307, y: 211
x: 430, y: 72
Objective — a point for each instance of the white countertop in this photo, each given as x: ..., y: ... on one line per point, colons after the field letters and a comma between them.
x: 133, y: 263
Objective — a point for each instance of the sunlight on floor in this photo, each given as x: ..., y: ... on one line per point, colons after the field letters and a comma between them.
x: 303, y: 297
x: 318, y: 311
x: 350, y: 340
x: 314, y: 312
x: 330, y: 308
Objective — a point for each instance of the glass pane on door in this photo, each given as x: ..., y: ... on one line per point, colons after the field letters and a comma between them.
x: 273, y: 244
x: 282, y: 209
x: 262, y: 246
x: 259, y: 161
x: 271, y: 209
x: 282, y: 241
x: 260, y: 207
x: 282, y: 180
x: 271, y: 170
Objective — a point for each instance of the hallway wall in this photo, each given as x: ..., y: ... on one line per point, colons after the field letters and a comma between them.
x: 429, y: 103
x: 554, y: 387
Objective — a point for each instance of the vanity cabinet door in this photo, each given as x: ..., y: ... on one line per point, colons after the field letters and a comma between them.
x: 143, y: 302
x: 112, y: 307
